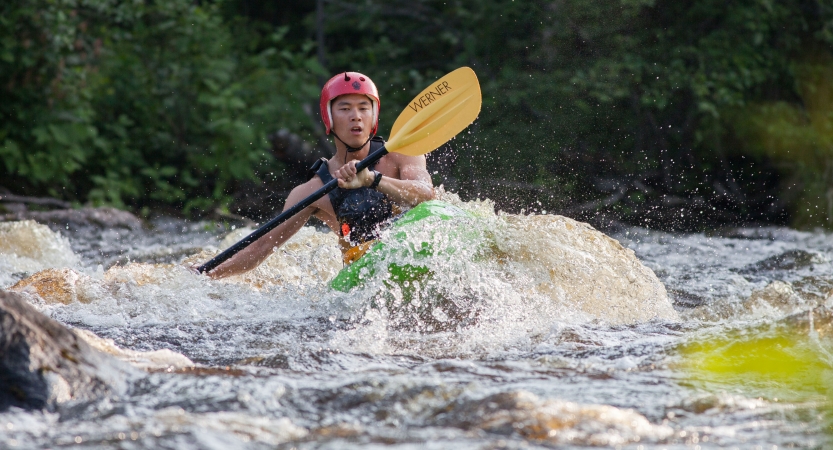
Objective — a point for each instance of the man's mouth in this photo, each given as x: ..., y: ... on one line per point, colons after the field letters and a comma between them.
x: 356, y: 130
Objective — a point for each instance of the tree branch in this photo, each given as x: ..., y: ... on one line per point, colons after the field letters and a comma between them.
x: 11, y: 198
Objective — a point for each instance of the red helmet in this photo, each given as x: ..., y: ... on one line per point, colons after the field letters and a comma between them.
x: 348, y: 83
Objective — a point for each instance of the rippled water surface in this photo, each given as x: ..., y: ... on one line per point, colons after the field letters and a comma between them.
x: 487, y: 356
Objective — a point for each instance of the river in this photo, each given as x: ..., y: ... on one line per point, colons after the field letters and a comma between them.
x: 283, y: 361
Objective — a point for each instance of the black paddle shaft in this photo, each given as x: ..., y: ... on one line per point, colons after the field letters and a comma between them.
x: 284, y: 216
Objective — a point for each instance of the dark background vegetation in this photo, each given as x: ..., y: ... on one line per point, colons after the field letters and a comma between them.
x: 676, y: 114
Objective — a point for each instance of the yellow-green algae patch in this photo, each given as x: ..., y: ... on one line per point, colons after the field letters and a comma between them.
x: 781, y: 364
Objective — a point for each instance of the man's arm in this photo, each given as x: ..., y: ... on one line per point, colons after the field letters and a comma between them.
x: 413, y: 186
x: 251, y: 256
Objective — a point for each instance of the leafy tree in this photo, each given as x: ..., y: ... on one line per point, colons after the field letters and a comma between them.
x: 137, y: 103
x: 585, y: 99
x: 681, y: 114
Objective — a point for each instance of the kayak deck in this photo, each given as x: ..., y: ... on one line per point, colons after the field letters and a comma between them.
x: 383, y: 257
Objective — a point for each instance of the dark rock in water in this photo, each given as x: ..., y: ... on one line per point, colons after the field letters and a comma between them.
x: 43, y: 363
x: 819, y: 320
x: 550, y: 420
x: 7, y: 198
x: 685, y: 299
x: 769, y: 233
x: 76, y: 218
x: 789, y: 260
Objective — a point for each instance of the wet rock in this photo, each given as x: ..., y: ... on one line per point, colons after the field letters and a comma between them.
x: 226, y: 371
x: 778, y: 295
x: 748, y: 233
x: 687, y: 299
x: 340, y: 430
x: 815, y: 289
x: 12, y: 208
x: 7, y: 198
x: 278, y: 361
x: 789, y: 260
x: 128, y: 288
x: 55, y: 286
x: 155, y: 360
x: 77, y: 218
x: 818, y: 320
x: 720, y: 402
x: 43, y: 363
x: 774, y: 300
x: 65, y: 286
x: 266, y: 431
x: 552, y: 421
x: 573, y: 263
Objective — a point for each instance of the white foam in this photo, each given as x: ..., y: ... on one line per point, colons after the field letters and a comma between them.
x: 213, y: 430
x: 500, y: 282
x: 27, y: 246
x: 153, y: 360
x: 559, y: 422
x: 210, y: 430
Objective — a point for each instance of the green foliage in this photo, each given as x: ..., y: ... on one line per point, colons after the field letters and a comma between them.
x: 576, y: 92
x: 44, y: 75
x: 144, y: 102
x: 798, y: 135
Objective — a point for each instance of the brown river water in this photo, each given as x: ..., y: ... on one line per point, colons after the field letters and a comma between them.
x: 535, y: 332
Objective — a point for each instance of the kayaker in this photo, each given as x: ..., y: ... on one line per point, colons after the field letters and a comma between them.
x: 364, y: 201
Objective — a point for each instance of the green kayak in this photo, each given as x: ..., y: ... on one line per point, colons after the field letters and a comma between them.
x: 404, y: 255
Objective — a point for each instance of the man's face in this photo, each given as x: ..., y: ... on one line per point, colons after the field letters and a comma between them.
x: 352, y: 118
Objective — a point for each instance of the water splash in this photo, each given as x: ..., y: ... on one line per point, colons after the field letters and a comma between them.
x: 27, y: 247
x: 518, y: 318
x: 502, y: 282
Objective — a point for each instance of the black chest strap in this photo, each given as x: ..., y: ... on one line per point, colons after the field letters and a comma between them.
x: 361, y: 211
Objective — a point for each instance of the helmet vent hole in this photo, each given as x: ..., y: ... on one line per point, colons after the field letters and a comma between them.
x: 361, y: 78
x: 346, y: 77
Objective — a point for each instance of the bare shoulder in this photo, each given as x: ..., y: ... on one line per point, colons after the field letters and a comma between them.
x: 303, y: 190
x: 310, y: 186
x: 401, y: 160
x: 407, y: 167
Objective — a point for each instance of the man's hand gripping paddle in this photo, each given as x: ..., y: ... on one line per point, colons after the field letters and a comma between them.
x: 436, y: 115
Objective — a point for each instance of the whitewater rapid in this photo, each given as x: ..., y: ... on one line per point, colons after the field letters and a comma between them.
x: 540, y: 330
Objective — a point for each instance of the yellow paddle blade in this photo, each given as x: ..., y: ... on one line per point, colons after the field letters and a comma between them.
x: 437, y: 114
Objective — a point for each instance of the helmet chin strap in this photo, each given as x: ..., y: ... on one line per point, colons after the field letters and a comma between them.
x: 352, y: 149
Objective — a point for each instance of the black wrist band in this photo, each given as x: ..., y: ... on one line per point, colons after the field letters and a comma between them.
x: 376, y: 180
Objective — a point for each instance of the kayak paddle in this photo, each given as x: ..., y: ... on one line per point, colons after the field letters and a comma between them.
x: 433, y: 117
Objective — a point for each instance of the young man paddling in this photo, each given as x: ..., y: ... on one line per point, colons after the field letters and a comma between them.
x: 363, y: 201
